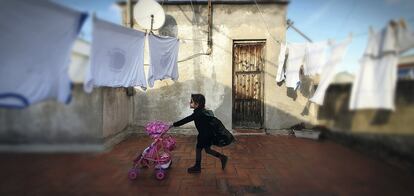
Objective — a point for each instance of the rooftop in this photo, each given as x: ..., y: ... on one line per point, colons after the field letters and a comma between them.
x: 174, y: 2
x: 264, y: 165
x: 406, y: 61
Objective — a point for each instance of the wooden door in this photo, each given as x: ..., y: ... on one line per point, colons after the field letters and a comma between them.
x: 248, y: 65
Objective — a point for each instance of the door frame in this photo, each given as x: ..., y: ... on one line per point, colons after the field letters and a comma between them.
x: 262, y: 79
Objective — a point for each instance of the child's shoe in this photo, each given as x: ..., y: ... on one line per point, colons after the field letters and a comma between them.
x: 194, y: 169
x: 223, y: 162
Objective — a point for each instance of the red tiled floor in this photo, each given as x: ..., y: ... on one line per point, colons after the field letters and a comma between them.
x: 264, y: 165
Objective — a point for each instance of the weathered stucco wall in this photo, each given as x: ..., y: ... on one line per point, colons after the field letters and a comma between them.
x: 90, y: 119
x: 117, y: 108
x: 49, y: 122
x: 391, y: 129
x: 211, y: 75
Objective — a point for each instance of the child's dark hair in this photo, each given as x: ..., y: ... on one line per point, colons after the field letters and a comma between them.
x: 199, y: 99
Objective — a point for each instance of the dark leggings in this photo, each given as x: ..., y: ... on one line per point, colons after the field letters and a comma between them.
x: 208, y: 151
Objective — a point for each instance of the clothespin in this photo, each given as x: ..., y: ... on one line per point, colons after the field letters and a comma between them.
x: 393, y: 23
x: 403, y: 23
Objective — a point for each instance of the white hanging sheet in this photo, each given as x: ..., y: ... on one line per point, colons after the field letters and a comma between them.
x: 36, y: 40
x: 315, y: 58
x: 335, y: 58
x: 296, y: 56
x: 117, y: 57
x: 163, y: 58
x: 375, y: 81
x: 280, y: 75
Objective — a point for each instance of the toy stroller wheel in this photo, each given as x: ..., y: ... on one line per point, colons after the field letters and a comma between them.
x: 160, y: 174
x: 132, y: 174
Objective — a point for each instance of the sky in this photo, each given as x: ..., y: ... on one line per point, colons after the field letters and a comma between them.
x: 320, y: 20
x: 103, y: 9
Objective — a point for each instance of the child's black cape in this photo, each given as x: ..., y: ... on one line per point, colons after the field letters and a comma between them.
x: 222, y: 136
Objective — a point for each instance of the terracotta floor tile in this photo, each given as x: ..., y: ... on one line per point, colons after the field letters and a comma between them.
x: 258, y: 165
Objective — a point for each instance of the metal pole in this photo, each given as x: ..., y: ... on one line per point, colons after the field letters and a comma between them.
x: 129, y: 23
x: 209, y: 39
x: 290, y: 24
x: 152, y: 21
x: 129, y: 14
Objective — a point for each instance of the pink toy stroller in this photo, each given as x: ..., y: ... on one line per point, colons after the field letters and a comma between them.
x: 158, y: 154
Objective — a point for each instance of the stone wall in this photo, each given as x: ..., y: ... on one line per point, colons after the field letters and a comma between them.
x: 389, y: 129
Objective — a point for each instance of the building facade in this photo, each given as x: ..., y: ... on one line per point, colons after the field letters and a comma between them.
x: 237, y: 77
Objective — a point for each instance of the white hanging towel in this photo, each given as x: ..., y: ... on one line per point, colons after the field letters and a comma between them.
x: 315, y: 58
x: 117, y: 57
x: 163, y: 58
x: 296, y: 57
x: 335, y: 58
x: 36, y: 40
x: 374, y: 84
x: 280, y: 75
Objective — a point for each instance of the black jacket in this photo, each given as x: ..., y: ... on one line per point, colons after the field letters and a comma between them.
x: 201, y: 118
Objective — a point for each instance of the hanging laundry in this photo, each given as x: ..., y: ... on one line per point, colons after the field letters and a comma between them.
x: 405, y: 36
x: 36, y: 40
x: 375, y: 82
x: 280, y: 75
x: 117, y: 57
x: 335, y: 58
x: 315, y: 58
x: 296, y: 55
x: 163, y: 58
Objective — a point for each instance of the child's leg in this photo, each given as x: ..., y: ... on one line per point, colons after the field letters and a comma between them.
x: 197, y: 167
x: 198, y: 157
x: 213, y: 152
x: 222, y: 157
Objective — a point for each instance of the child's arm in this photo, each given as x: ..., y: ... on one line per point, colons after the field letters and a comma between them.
x: 184, y: 120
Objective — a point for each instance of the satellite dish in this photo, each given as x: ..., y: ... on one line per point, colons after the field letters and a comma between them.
x: 149, y: 14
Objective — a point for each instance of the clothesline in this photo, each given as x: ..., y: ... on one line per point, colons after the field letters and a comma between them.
x: 200, y: 40
x: 374, y: 83
x: 338, y: 38
x: 279, y: 41
x: 366, y: 32
x: 267, y: 27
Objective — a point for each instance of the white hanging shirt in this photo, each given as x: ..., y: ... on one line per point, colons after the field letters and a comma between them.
x: 280, y: 75
x: 117, y: 57
x: 295, y: 60
x: 405, y: 38
x: 36, y: 40
x: 315, y: 58
x: 163, y: 58
x: 374, y: 84
x: 336, y: 56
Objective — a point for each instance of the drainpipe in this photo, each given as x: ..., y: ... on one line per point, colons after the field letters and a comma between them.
x: 209, y: 36
x: 210, y: 21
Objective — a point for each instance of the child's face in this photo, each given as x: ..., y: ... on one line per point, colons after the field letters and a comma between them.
x: 193, y: 104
